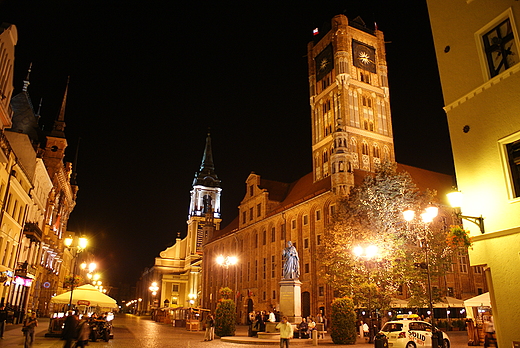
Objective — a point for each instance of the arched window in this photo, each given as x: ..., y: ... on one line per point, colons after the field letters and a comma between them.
x: 376, y: 151
x: 353, y: 144
x: 364, y: 148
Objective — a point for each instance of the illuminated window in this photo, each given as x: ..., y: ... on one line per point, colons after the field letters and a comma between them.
x: 293, y: 224
x: 306, y: 243
x: 259, y: 209
x: 318, y: 215
x: 273, y: 234
x: 306, y: 220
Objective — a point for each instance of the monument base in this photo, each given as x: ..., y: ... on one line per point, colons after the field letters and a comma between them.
x: 291, y: 300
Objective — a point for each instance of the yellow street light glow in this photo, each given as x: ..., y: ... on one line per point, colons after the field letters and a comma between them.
x: 358, y: 250
x: 67, y: 242
x: 92, y: 266
x: 455, y: 198
x: 83, y: 242
x: 408, y: 215
x: 220, y: 260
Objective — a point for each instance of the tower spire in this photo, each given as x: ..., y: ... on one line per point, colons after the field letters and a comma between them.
x: 26, y: 82
x: 206, y: 175
x: 59, y: 124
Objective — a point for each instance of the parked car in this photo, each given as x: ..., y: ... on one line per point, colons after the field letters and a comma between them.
x: 407, y: 333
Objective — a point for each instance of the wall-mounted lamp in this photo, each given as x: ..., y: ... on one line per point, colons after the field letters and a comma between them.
x: 455, y: 199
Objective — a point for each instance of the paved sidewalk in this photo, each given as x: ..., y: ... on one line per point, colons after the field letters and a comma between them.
x: 459, y: 339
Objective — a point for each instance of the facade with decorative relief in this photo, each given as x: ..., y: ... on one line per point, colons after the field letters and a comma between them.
x: 351, y: 134
x: 479, y: 66
x: 40, y: 266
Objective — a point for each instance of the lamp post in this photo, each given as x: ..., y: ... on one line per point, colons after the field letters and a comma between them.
x: 427, y: 217
x: 455, y: 198
x: 368, y: 253
x: 226, y: 261
x: 75, y: 250
x: 153, y: 288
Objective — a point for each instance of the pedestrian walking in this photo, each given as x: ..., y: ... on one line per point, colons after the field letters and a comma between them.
x: 210, y: 328
x: 489, y: 331
x: 83, y: 333
x: 3, y: 319
x: 70, y: 329
x: 286, y: 332
x: 28, y: 329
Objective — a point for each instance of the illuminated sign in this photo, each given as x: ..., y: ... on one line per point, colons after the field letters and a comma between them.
x: 23, y: 281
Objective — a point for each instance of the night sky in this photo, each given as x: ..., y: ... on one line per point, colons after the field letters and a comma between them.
x: 148, y: 78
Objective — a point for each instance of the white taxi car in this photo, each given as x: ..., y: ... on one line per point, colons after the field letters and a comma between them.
x: 411, y: 334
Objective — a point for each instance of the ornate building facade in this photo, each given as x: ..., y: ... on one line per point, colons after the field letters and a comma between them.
x: 351, y: 134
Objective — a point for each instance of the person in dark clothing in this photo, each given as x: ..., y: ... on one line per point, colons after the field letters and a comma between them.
x: 70, y: 330
x: 303, y: 329
x: 3, y: 319
x: 28, y: 329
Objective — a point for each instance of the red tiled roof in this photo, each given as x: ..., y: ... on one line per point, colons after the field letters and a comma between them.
x: 304, y: 189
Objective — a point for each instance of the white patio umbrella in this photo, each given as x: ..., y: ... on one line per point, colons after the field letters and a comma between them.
x: 86, y: 295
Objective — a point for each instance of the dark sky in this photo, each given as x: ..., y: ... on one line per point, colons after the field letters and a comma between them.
x: 148, y: 78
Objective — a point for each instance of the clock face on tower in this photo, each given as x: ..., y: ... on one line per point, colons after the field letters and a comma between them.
x: 364, y: 56
x: 324, y: 62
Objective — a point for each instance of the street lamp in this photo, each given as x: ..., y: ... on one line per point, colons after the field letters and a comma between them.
x: 368, y: 254
x: 455, y: 198
x: 81, y: 244
x: 154, y: 288
x: 226, y: 261
x: 427, y: 217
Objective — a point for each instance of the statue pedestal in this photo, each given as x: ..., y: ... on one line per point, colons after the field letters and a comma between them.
x: 291, y: 299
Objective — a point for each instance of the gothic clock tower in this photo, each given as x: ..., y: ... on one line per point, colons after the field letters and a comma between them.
x: 351, y: 123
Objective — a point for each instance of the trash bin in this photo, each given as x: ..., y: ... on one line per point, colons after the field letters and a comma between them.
x: 380, y: 341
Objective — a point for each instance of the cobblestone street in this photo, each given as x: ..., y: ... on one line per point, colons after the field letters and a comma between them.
x: 141, y: 332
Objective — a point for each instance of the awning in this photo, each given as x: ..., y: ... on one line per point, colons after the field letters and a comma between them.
x: 454, y: 302
x: 481, y: 300
x: 87, y: 295
x: 398, y: 303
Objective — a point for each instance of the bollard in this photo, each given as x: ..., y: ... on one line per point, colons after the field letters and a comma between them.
x: 314, y: 337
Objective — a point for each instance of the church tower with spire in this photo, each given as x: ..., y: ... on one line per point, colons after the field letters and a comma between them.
x: 204, y: 211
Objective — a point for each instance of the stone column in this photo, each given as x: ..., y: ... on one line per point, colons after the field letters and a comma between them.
x: 291, y: 300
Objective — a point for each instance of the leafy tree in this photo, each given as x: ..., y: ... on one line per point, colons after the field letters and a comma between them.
x: 225, y: 314
x: 372, y: 215
x: 343, y: 325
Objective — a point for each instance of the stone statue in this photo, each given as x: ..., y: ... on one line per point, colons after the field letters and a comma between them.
x: 291, y: 264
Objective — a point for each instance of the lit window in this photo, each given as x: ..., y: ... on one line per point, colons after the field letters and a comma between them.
x: 306, y: 219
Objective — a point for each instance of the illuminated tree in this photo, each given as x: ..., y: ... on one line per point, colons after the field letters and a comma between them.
x: 372, y: 215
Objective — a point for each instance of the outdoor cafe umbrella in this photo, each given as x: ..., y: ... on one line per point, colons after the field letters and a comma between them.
x: 86, y: 295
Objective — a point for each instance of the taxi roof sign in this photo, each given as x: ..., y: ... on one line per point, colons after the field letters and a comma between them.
x: 407, y: 316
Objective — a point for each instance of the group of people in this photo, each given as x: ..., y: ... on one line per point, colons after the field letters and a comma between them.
x: 257, y: 320
x: 76, y: 329
x: 308, y: 325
